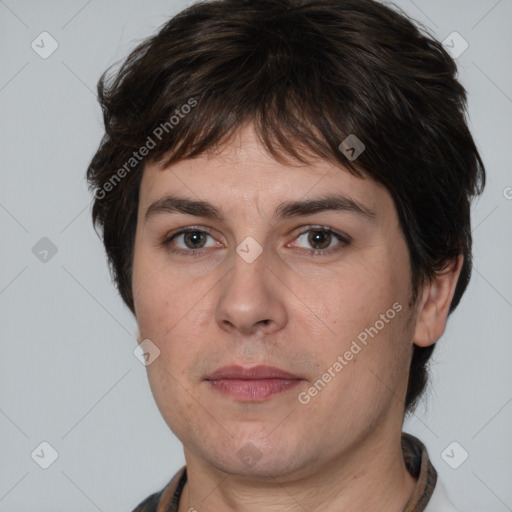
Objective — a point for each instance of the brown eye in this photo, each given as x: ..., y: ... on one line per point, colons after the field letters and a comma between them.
x: 190, y: 241
x: 195, y: 239
x: 319, y: 239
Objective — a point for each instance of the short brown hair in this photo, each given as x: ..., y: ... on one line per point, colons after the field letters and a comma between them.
x: 307, y: 73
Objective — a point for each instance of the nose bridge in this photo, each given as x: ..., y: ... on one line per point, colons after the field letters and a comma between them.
x: 249, y: 277
x: 249, y: 297
x: 250, y: 258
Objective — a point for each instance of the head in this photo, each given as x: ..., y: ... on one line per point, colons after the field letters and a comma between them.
x: 250, y: 104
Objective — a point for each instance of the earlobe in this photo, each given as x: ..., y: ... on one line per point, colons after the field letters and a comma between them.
x: 435, y: 303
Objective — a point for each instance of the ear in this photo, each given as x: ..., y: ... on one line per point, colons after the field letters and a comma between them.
x: 139, y: 337
x: 435, y: 303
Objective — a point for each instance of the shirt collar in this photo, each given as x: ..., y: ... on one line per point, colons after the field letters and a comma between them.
x: 416, y: 461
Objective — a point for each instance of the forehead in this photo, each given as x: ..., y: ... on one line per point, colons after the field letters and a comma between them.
x: 241, y: 174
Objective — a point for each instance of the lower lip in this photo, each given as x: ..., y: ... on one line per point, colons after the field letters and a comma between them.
x: 253, y: 390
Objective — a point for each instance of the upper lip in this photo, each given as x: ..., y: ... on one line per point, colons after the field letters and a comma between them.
x: 255, y: 373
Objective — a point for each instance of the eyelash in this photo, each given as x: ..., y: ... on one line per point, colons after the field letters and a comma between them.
x: 343, y: 239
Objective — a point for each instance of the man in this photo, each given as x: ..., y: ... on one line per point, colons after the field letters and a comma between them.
x: 284, y: 194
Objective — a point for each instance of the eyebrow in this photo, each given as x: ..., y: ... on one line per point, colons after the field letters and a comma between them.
x: 174, y: 204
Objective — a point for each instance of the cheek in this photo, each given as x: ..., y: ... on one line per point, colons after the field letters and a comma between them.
x: 158, y: 294
x: 367, y: 313
x: 350, y: 301
x: 173, y: 319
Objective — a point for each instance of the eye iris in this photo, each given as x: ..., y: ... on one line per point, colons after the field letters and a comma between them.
x: 319, y: 238
x: 193, y: 238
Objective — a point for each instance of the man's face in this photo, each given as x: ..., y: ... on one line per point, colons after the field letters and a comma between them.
x: 309, y: 300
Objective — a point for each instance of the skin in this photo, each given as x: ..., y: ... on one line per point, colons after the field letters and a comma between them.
x: 290, y: 309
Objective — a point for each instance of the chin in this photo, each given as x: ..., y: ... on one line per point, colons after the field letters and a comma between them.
x: 265, y: 463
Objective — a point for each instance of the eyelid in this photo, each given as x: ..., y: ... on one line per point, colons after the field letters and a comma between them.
x: 344, y: 240
x: 327, y: 229
x: 182, y: 231
x: 191, y: 227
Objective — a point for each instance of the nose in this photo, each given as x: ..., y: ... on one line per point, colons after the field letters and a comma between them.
x: 252, y: 299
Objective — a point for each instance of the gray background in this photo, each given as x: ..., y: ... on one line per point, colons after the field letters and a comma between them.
x: 68, y: 373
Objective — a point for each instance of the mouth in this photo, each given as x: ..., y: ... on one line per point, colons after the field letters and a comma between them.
x: 252, y: 384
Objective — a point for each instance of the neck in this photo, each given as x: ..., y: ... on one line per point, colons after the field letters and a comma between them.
x: 372, y: 475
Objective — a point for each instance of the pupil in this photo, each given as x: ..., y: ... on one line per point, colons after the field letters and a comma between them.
x: 319, y: 238
x: 194, y: 238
